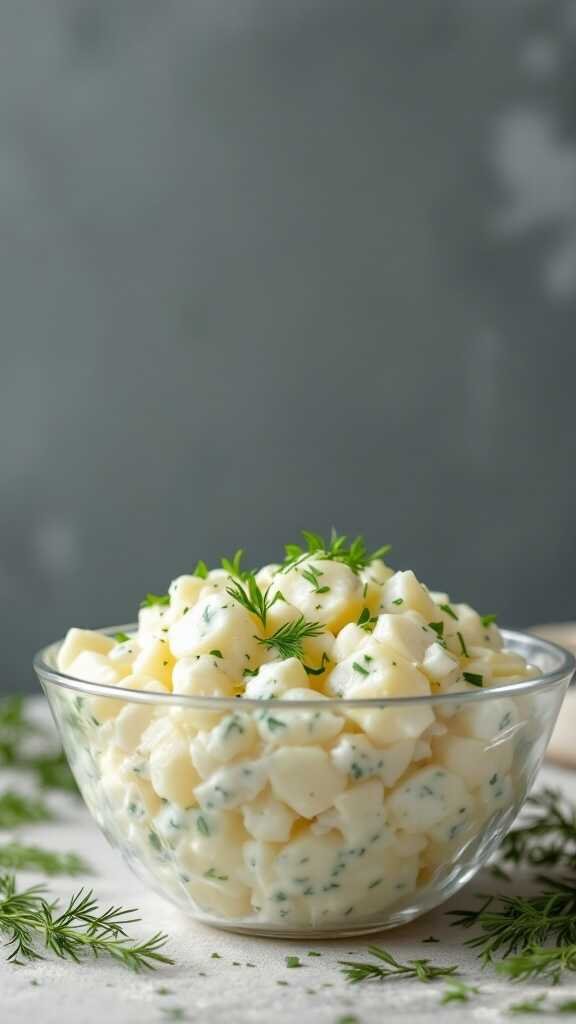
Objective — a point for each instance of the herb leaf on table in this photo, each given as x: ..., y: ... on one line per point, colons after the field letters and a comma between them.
x: 16, y: 856
x: 513, y: 924
x: 423, y: 970
x: 50, y: 770
x: 16, y: 809
x: 546, y: 836
x: 31, y: 923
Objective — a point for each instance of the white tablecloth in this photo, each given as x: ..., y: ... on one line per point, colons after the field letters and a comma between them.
x: 203, y: 988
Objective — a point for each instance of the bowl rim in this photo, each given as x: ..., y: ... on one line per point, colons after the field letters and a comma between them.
x: 565, y: 668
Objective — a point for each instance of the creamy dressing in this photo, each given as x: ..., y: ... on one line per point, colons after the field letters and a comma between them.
x: 287, y: 816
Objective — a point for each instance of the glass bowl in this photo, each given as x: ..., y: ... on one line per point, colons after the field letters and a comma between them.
x: 294, y: 818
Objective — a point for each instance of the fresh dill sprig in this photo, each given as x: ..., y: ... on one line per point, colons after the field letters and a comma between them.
x: 18, y: 857
x: 515, y: 924
x: 288, y: 639
x: 233, y: 566
x: 423, y: 970
x: 312, y: 575
x: 16, y: 809
x: 545, y: 964
x: 546, y: 835
x: 355, y: 555
x: 30, y: 922
x: 14, y: 727
x: 51, y: 770
x: 247, y: 593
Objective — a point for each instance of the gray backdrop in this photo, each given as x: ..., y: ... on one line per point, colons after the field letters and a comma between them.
x: 267, y: 264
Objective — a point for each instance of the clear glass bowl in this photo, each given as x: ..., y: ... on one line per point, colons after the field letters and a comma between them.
x: 297, y: 818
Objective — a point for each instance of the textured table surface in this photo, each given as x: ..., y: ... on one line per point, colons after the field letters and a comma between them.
x: 250, y: 982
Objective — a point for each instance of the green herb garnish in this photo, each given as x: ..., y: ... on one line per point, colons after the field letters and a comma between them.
x: 288, y: 639
x: 516, y: 928
x: 474, y: 678
x: 546, y: 835
x: 121, y: 638
x: 487, y: 620
x: 29, y: 921
x: 423, y: 970
x: 247, y: 593
x: 293, y: 961
x: 233, y: 566
x: 321, y: 668
x: 16, y: 809
x: 463, y: 647
x: 360, y: 669
x: 355, y: 556
x: 18, y: 857
x: 312, y: 574
x: 449, y: 611
x: 438, y: 628
x: 458, y: 992
x: 153, y: 599
x: 201, y: 569
x: 529, y: 1005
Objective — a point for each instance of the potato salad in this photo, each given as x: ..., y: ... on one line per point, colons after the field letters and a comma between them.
x: 283, y: 802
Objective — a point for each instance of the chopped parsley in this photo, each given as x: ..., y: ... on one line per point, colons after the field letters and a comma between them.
x: 152, y: 599
x: 293, y: 961
x: 487, y: 620
x: 121, y: 638
x: 474, y: 678
x: 463, y: 647
x: 449, y: 611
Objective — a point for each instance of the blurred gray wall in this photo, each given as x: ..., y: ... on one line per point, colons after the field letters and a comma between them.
x: 267, y: 264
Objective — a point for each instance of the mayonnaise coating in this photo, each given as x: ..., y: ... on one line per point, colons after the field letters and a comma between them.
x: 287, y: 815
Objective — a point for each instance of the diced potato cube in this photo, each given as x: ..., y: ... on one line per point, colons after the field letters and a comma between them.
x: 409, y: 636
x: 268, y: 819
x: 171, y: 770
x: 425, y: 798
x: 297, y: 727
x: 94, y: 668
x: 217, y: 623
x: 358, y: 759
x: 323, y: 591
x: 439, y: 665
x: 473, y: 760
x: 274, y: 678
x: 487, y: 720
x: 216, y: 894
x: 184, y: 592
x: 232, y: 785
x: 403, y: 592
x: 348, y: 640
x: 234, y: 735
x: 305, y: 779
x: 79, y: 640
